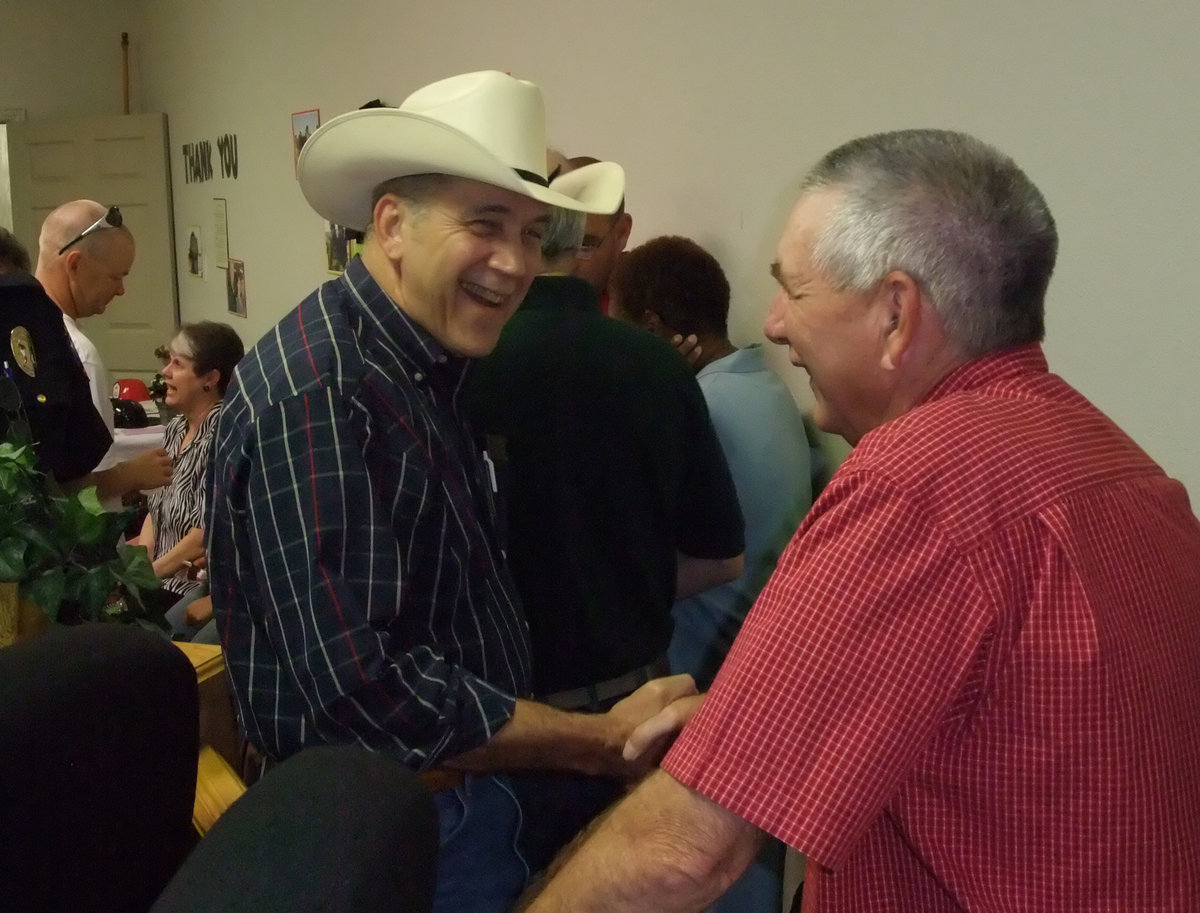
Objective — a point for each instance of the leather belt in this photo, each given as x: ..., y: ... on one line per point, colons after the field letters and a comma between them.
x: 594, y: 697
x: 439, y: 778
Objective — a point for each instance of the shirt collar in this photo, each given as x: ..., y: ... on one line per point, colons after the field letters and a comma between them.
x: 567, y: 292
x: 398, y: 331
x: 746, y: 360
x: 989, y: 369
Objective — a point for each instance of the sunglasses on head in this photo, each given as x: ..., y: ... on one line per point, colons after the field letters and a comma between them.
x: 111, y: 219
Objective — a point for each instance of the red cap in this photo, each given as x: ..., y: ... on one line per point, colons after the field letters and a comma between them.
x: 131, y: 388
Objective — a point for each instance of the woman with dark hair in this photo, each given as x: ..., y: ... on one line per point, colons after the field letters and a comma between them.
x: 202, y: 357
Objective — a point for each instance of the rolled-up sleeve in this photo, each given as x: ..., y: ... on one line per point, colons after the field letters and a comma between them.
x: 343, y: 640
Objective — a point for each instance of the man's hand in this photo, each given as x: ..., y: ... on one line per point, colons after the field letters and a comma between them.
x: 541, y: 737
x: 688, y: 347
x: 148, y: 470
x: 656, y: 734
x: 646, y: 704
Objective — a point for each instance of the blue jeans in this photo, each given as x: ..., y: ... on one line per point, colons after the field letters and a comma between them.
x: 555, y: 806
x: 480, y: 869
x: 176, y: 617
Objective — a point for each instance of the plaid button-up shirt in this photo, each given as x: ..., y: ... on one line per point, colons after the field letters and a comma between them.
x: 356, y: 576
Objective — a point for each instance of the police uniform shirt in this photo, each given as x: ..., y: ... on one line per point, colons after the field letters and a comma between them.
x: 69, y: 435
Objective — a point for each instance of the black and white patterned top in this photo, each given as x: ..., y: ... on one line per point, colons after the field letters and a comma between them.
x: 178, y: 506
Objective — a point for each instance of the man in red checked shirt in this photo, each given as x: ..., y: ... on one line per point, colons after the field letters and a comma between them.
x: 972, y: 682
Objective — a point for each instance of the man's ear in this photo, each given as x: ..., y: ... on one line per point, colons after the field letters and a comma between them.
x: 901, y: 304
x: 387, y: 221
x: 652, y: 322
x: 621, y: 231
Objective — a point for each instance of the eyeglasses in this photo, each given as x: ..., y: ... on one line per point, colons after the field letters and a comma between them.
x: 591, y: 243
x: 111, y: 219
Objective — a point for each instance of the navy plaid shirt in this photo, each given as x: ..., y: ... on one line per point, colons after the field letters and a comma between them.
x: 356, y: 576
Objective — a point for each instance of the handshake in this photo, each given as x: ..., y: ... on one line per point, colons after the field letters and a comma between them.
x: 656, y: 712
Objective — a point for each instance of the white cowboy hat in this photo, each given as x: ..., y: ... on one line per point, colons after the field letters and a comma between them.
x: 484, y: 126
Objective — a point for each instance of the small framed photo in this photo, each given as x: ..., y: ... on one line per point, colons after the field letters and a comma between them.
x: 304, y: 124
x: 195, y: 252
x: 337, y: 248
x: 235, y: 287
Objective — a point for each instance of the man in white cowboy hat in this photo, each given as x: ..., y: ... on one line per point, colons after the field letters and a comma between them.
x: 357, y: 575
x: 604, y: 238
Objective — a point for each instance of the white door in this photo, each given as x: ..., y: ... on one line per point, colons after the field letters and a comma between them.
x: 120, y: 160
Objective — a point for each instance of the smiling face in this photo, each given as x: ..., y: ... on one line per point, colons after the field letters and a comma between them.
x: 837, y: 337
x: 464, y: 260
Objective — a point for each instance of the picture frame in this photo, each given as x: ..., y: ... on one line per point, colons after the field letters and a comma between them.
x: 235, y: 287
x: 304, y: 124
x: 194, y: 252
x: 337, y: 248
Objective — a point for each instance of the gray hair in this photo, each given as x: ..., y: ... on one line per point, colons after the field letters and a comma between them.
x: 953, y: 213
x: 416, y: 190
x: 564, y: 233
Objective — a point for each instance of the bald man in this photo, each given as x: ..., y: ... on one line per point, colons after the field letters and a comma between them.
x: 83, y: 259
x: 84, y: 254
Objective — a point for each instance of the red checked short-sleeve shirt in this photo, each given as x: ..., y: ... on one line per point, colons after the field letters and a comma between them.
x: 973, y: 682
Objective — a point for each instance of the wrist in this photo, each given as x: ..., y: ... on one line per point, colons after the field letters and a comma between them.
x: 601, y: 741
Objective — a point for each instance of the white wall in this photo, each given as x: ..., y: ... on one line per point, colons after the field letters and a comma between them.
x: 63, y: 58
x: 716, y: 109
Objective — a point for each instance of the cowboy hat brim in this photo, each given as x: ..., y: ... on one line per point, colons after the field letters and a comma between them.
x: 346, y: 159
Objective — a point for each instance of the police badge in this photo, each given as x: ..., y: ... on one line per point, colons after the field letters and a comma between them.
x: 22, y: 349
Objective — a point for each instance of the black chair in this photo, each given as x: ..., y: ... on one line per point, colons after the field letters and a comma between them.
x: 98, y: 746
x: 330, y: 830
x: 99, y: 740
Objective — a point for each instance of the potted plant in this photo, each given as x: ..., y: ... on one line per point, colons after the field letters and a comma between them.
x: 63, y: 552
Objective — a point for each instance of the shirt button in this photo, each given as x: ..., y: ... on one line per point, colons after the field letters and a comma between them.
x: 418, y: 376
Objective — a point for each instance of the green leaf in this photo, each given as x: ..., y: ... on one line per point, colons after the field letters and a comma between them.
x: 40, y: 551
x: 94, y: 589
x: 85, y: 527
x: 90, y: 500
x: 133, y: 567
x: 62, y: 548
x: 12, y: 559
x: 46, y: 591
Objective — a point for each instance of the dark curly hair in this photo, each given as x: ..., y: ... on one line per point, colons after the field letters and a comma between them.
x: 678, y: 280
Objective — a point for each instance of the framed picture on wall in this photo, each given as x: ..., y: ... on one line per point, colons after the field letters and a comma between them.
x: 304, y: 124
x: 235, y: 287
x: 337, y: 251
x: 195, y: 252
